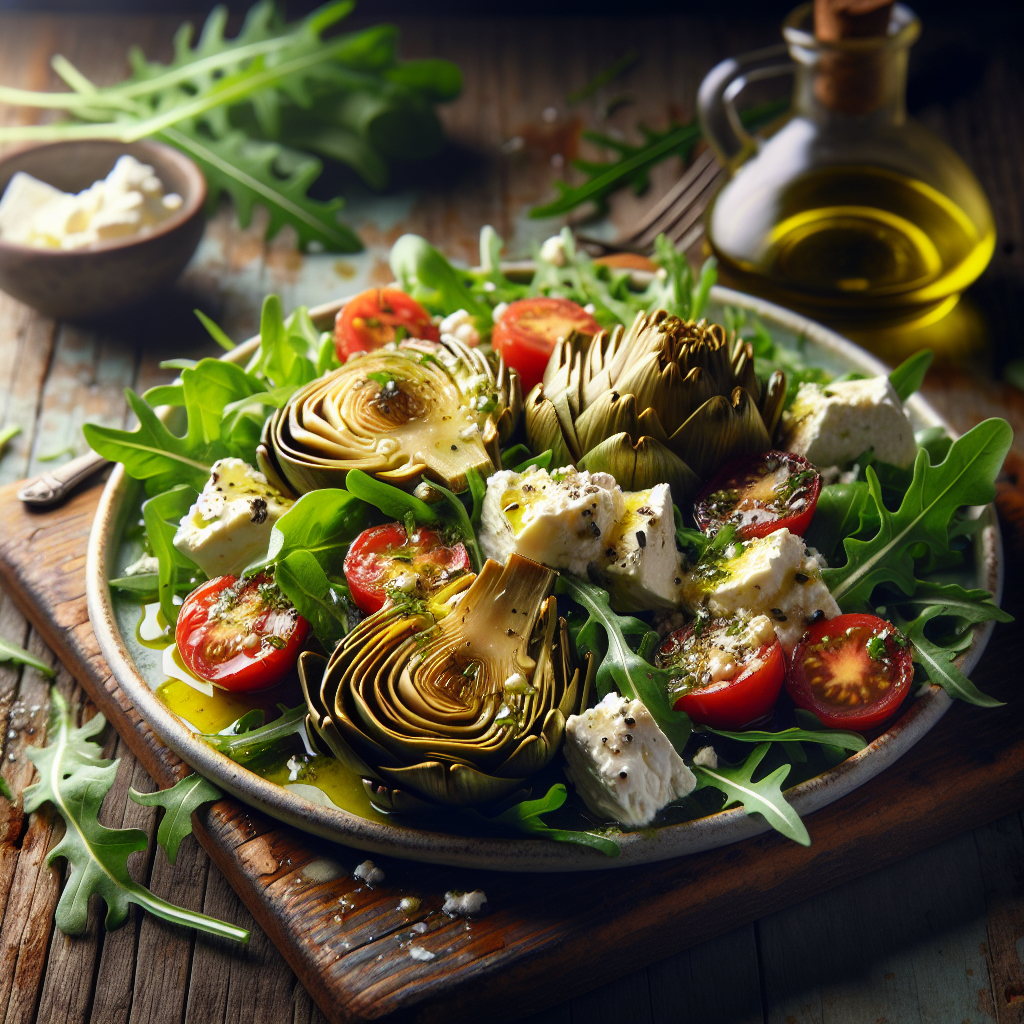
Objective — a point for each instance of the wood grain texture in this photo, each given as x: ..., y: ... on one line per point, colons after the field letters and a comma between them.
x: 349, y: 943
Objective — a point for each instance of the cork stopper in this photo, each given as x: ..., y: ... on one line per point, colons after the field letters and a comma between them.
x: 853, y: 81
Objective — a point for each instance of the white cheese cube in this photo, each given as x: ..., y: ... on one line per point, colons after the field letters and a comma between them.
x: 642, y: 568
x: 22, y: 198
x: 622, y: 764
x: 830, y: 425
x: 562, y: 519
x: 229, y: 525
x: 462, y: 327
x: 773, y: 576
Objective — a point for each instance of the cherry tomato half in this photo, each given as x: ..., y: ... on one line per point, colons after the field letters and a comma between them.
x: 373, y: 318
x: 852, y: 671
x: 527, y: 331
x: 730, y: 672
x: 760, y: 494
x: 241, y: 634
x: 384, y: 559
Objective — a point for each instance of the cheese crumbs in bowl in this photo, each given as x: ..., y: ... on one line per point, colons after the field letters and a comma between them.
x: 92, y: 228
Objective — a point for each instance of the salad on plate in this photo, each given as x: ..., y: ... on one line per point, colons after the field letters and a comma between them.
x: 546, y: 552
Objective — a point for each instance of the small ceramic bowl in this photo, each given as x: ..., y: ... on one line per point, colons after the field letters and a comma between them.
x: 85, y: 284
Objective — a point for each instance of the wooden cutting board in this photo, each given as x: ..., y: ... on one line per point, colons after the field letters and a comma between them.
x: 546, y: 937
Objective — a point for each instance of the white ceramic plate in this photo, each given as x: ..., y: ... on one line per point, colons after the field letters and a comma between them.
x: 138, y: 672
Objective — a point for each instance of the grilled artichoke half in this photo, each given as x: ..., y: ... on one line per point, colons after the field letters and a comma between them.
x: 403, y: 412
x: 458, y: 703
x: 669, y: 400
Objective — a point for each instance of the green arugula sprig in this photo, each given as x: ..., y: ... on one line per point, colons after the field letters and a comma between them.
x: 622, y: 668
x: 10, y: 652
x: 74, y: 778
x: 525, y: 816
x: 178, y: 802
x: 763, y: 796
x: 247, y: 745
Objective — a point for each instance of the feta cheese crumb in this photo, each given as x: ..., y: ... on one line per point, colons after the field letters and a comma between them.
x: 419, y: 953
x: 463, y: 904
x: 369, y: 873
x: 774, y: 576
x: 499, y: 311
x: 641, y: 564
x: 462, y: 326
x: 559, y: 519
x: 706, y: 757
x: 229, y: 526
x: 129, y: 201
x: 831, y: 424
x: 622, y: 764
x: 553, y: 251
x: 590, y: 308
x: 145, y: 564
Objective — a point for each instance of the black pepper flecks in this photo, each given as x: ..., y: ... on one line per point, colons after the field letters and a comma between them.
x: 641, y: 538
x: 258, y: 507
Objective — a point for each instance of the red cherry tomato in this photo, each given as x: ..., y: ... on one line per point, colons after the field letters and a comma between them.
x: 375, y: 317
x: 241, y: 634
x: 852, y: 671
x: 384, y: 559
x: 745, y: 696
x: 760, y: 494
x: 527, y: 331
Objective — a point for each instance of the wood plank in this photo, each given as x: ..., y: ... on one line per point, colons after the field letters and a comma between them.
x: 1001, y: 853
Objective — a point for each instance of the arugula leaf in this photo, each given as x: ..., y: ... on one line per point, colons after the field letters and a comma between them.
x: 938, y: 662
x: 321, y: 523
x: 542, y: 461
x: 5, y: 790
x: 464, y: 526
x: 215, y: 331
x: 301, y: 579
x: 844, y: 510
x: 762, y: 797
x: 429, y: 278
x: 75, y: 778
x: 622, y: 668
x: 969, y: 606
x: 392, y: 501
x: 525, y: 817
x: 965, y: 477
x: 909, y: 375
x: 162, y: 515
x: 246, y: 746
x: 178, y: 803
x: 478, y: 489
x: 826, y: 737
x: 7, y: 434
x: 19, y: 656
x: 152, y: 453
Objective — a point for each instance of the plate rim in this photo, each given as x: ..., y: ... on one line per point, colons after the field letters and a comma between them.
x: 527, y: 855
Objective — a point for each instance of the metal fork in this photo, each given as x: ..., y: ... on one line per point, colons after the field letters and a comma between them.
x: 678, y: 214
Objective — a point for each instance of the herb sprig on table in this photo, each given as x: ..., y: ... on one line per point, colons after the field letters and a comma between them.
x: 257, y: 112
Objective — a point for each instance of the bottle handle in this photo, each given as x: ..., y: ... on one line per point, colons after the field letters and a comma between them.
x: 716, y: 100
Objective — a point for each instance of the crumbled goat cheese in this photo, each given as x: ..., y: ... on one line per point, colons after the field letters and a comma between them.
x: 833, y: 423
x: 464, y: 904
x: 622, y: 764
x: 129, y: 201
x: 560, y: 519
x: 775, y: 576
x: 499, y: 311
x: 462, y: 326
x: 419, y: 953
x: 553, y: 251
x: 641, y: 565
x: 706, y: 758
x: 369, y: 873
x: 145, y: 564
x: 229, y: 526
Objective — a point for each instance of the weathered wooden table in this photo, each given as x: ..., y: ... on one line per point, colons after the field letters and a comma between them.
x: 938, y: 937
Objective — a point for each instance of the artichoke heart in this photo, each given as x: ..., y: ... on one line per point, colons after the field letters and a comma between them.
x: 668, y: 401
x: 458, y: 701
x: 415, y: 410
